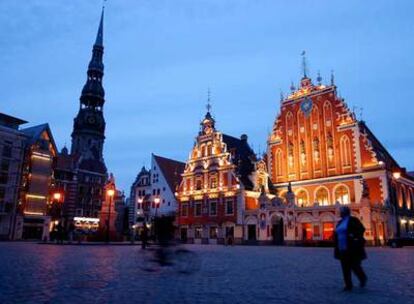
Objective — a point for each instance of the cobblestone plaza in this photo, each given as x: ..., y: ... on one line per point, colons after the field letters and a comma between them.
x: 35, y: 273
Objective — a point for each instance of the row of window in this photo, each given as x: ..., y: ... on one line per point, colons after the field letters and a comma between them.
x: 211, y: 209
x: 341, y: 195
x: 345, y: 154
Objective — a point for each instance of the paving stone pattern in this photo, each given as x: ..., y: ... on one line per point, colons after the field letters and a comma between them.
x: 35, y: 273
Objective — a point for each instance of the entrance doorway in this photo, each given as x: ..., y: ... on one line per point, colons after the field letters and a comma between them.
x: 251, y: 232
x: 277, y: 231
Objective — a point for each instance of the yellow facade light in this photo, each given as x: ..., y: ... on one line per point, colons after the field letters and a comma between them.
x: 110, y: 192
x: 396, y: 175
x: 35, y: 196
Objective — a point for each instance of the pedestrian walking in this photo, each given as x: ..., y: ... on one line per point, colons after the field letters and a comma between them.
x: 349, y: 247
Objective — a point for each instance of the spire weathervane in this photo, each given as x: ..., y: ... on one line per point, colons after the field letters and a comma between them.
x: 304, y: 64
x: 208, y: 106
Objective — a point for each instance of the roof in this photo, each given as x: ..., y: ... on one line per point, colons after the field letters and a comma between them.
x: 171, y: 169
x: 381, y: 152
x: 35, y: 132
x: 10, y: 121
x: 243, y: 157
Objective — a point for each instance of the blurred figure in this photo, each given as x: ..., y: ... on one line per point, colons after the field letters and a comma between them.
x: 71, y: 231
x: 349, y: 247
x: 144, y: 236
x: 164, y: 233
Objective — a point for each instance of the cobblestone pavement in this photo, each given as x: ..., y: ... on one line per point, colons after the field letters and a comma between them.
x: 34, y: 273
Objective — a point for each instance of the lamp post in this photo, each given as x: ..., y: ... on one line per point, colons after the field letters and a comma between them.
x: 57, y: 199
x: 110, y: 193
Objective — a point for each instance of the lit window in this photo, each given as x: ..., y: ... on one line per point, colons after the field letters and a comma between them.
x: 213, y: 182
x: 302, y: 199
x: 322, y: 197
x: 342, y: 195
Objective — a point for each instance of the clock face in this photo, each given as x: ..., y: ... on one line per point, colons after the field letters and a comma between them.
x: 306, y: 106
x: 91, y: 120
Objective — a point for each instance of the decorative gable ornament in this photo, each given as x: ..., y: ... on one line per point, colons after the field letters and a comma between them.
x: 306, y: 106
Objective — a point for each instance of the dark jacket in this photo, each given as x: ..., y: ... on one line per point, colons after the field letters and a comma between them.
x: 356, y: 241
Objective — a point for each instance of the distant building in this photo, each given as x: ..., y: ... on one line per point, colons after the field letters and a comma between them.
x: 12, y: 147
x: 153, y: 192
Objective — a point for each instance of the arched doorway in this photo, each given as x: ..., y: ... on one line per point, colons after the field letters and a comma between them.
x: 277, y: 229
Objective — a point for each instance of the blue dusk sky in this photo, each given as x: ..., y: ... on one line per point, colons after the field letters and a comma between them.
x: 161, y: 56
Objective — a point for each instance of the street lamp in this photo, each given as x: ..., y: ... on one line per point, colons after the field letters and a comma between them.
x: 110, y: 193
x: 57, y: 200
x: 157, y: 203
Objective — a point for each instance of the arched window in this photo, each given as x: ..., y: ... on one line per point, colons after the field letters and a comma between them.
x: 345, y: 151
x: 302, y: 198
x: 342, y: 195
x: 279, y: 162
x: 322, y: 197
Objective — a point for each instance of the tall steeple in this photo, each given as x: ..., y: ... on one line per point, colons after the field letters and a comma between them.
x: 89, y: 125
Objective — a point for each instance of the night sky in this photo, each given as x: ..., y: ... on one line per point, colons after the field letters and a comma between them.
x: 161, y: 56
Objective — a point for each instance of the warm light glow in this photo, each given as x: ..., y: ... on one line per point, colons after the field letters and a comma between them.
x: 110, y: 192
x: 57, y: 196
x: 35, y: 196
x: 381, y: 163
x: 33, y: 213
x: 157, y: 200
x: 41, y: 156
x: 403, y: 221
x: 396, y: 175
x: 56, y: 222
x: 86, y: 219
x: 140, y: 200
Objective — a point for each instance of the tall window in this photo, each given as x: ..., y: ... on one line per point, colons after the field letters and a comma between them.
x: 302, y: 199
x: 342, y: 195
x: 213, y: 181
x: 229, y: 207
x: 345, y: 151
x: 199, y: 183
x: 213, y: 208
x: 403, y: 197
x: 197, y: 209
x: 279, y: 162
x: 184, y: 209
x: 322, y: 197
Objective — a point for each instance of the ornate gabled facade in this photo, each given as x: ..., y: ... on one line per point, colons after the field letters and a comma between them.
x: 221, y: 176
x: 328, y: 158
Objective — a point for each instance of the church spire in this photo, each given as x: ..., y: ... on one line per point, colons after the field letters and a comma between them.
x: 99, y: 35
x: 93, y: 93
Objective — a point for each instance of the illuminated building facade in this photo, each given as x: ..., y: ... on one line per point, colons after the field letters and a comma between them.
x: 328, y: 158
x: 33, y: 220
x: 221, y: 177
x: 153, y: 192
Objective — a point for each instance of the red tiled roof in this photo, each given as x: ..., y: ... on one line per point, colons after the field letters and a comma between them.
x: 171, y: 169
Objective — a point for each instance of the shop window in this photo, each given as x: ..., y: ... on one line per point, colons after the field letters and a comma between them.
x: 328, y: 231
x: 213, y: 232
x: 198, y: 232
x: 302, y: 199
x: 322, y: 197
x: 307, y: 231
x: 342, y: 195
